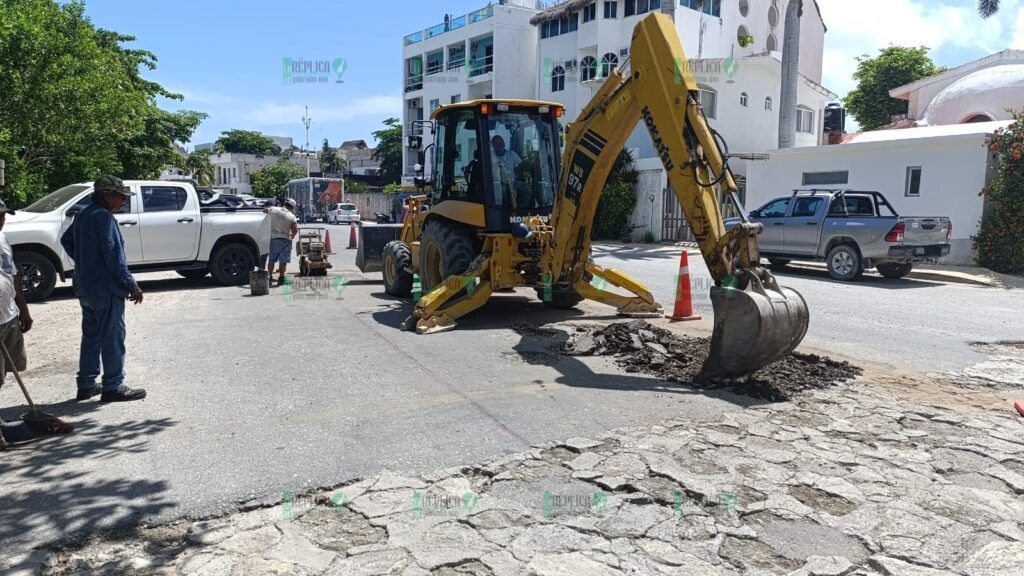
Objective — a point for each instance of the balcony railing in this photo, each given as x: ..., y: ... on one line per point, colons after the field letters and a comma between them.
x: 455, y: 64
x: 434, y: 68
x: 481, y: 66
x: 453, y: 24
x: 413, y: 83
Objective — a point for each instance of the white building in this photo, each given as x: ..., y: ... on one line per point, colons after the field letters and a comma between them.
x: 490, y: 52
x: 979, y: 91
x: 925, y: 171
x: 233, y: 172
x: 734, y: 47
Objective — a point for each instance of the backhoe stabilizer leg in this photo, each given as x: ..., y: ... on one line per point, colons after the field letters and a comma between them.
x: 641, y: 305
x: 434, y: 313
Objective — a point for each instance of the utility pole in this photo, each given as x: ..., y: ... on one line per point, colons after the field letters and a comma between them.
x: 306, y: 120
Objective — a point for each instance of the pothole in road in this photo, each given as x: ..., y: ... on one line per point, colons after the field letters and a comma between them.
x: 340, y: 530
x: 640, y: 347
x: 822, y: 501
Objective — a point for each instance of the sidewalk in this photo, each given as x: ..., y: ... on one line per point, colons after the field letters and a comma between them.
x: 851, y: 480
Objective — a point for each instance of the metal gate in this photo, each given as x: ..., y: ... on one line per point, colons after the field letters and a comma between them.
x: 675, y: 228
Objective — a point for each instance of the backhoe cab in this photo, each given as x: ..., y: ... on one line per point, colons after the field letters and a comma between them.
x: 506, y: 213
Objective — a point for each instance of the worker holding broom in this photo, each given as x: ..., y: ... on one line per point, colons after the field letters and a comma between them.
x: 15, y: 320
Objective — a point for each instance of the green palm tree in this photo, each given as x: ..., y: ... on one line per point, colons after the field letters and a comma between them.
x: 199, y: 166
x: 988, y: 8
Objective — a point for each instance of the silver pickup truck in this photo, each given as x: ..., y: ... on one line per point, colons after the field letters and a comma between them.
x: 850, y: 231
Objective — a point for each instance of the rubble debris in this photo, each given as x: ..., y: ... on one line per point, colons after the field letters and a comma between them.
x: 640, y: 347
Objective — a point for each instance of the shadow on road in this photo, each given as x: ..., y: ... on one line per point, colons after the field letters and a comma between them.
x: 73, y: 503
x: 66, y: 292
x: 866, y: 280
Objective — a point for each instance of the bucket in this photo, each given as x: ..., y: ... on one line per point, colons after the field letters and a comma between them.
x: 259, y: 282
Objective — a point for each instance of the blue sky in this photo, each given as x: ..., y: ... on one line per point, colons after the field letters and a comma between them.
x: 226, y: 56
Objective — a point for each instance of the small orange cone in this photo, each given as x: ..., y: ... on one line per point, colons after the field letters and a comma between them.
x: 1019, y: 405
x: 327, y: 242
x: 352, y: 237
x: 684, y: 299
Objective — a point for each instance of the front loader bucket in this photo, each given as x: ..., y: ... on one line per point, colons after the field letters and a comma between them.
x: 372, y: 238
x: 754, y: 327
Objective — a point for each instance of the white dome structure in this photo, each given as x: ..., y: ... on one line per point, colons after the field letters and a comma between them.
x: 981, y: 96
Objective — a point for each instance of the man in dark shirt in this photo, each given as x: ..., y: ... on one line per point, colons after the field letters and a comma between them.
x: 102, y: 283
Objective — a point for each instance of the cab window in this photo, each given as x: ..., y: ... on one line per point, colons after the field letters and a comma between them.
x: 776, y: 209
x: 163, y: 198
x: 807, y: 207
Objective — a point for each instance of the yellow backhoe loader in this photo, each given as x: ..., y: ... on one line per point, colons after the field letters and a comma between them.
x: 507, y: 209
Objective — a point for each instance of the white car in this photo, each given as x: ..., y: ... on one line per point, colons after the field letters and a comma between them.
x: 164, y: 228
x: 343, y: 214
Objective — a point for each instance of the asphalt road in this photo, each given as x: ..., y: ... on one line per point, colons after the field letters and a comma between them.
x: 253, y: 397
x: 907, y: 325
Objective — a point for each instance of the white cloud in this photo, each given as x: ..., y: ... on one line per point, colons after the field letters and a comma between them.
x: 280, y: 114
x: 1018, y: 34
x: 863, y: 27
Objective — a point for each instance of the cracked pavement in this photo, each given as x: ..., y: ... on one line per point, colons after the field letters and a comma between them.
x: 886, y: 477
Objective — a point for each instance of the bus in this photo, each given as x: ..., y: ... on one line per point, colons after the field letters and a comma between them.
x: 314, y: 196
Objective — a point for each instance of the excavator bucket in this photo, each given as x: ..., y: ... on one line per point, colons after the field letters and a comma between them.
x: 754, y: 327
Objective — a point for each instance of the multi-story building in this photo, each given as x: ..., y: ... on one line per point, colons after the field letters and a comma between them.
x: 734, y: 50
x: 490, y: 52
x: 232, y: 173
x: 359, y: 158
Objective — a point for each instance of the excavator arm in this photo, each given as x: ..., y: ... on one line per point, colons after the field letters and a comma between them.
x: 756, y: 321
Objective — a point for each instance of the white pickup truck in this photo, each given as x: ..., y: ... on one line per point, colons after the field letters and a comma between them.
x: 164, y: 225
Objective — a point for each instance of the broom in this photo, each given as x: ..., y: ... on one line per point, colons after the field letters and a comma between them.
x: 39, y: 422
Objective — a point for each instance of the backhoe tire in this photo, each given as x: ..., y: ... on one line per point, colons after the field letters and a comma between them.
x: 397, y: 261
x: 894, y: 270
x: 446, y: 248
x: 844, y: 263
x: 559, y: 298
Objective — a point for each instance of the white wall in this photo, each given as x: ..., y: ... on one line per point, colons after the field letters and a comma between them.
x: 953, y: 173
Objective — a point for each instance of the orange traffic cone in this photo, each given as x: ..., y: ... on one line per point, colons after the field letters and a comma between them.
x: 327, y: 242
x: 1019, y: 405
x: 352, y: 237
x: 683, y: 310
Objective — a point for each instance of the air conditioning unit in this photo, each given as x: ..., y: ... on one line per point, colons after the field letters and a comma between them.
x: 624, y: 52
x: 415, y: 103
x: 570, y: 64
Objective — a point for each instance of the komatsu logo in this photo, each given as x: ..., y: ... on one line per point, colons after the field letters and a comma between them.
x: 659, y: 144
x: 521, y: 219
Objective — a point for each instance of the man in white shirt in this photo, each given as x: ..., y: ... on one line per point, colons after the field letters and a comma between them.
x: 284, y: 227
x: 14, y: 314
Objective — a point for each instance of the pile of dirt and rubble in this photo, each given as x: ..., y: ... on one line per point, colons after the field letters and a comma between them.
x: 640, y: 347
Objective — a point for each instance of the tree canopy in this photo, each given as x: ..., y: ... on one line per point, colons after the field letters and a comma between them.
x: 270, y: 181
x: 389, y: 151
x: 73, y: 105
x: 894, y: 66
x: 246, y: 142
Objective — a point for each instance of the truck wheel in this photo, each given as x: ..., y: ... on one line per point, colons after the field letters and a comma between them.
x: 844, y: 263
x: 194, y: 274
x: 559, y: 297
x: 894, y: 270
x: 38, y: 276
x: 445, y: 249
x: 397, y: 259
x: 232, y: 263
x: 779, y: 262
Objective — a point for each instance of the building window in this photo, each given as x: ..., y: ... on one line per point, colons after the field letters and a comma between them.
x: 744, y: 8
x: 634, y: 7
x: 804, y: 120
x: 826, y: 178
x: 590, y: 12
x: 435, y: 62
x: 711, y: 7
x: 435, y: 104
x: 709, y: 101
x: 588, y: 68
x: 608, y: 63
x: 611, y: 10
x: 772, y: 45
x: 558, y: 79
x: 456, y: 99
x: 456, y: 57
x: 773, y: 16
x: 768, y: 103
x: 743, y: 99
x: 914, y: 181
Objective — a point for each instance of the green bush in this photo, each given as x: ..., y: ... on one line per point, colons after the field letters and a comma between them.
x: 648, y: 237
x: 354, y: 187
x: 1000, y: 242
x: 618, y: 199
x: 393, y: 188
